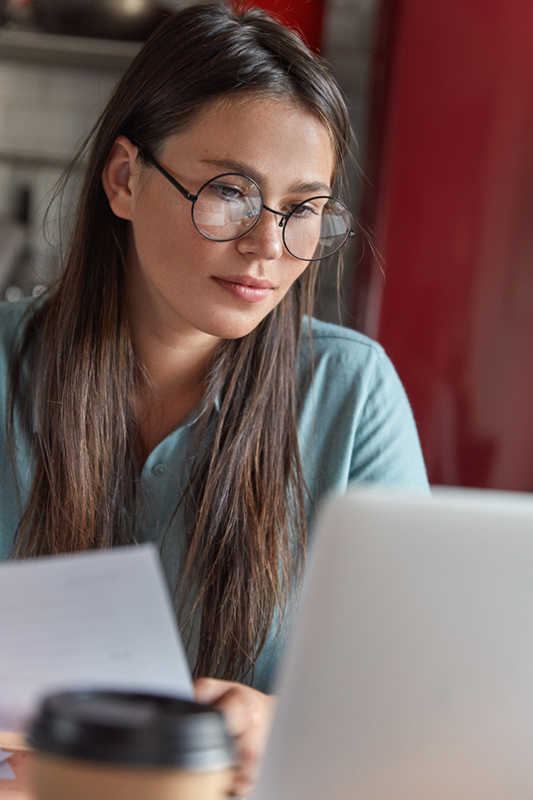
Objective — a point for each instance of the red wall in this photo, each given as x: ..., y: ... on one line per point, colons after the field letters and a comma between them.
x: 453, y: 219
x: 304, y: 16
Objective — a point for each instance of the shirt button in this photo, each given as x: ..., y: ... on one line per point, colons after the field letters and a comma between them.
x: 159, y: 470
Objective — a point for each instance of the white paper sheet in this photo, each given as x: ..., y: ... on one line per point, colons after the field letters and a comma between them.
x: 86, y: 620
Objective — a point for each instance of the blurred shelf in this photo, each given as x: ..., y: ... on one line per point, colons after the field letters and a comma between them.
x: 71, y: 51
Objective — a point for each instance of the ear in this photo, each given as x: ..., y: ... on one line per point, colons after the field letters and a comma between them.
x: 118, y: 177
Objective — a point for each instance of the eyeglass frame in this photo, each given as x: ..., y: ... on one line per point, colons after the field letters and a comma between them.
x: 284, y: 217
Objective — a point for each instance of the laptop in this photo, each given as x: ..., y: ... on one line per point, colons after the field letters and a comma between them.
x: 409, y: 675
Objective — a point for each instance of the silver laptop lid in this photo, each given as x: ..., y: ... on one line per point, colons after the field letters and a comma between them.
x: 410, y: 671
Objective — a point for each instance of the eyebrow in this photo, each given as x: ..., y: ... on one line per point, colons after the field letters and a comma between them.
x: 306, y: 187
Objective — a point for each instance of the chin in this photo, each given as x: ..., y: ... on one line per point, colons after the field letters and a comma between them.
x: 233, y: 329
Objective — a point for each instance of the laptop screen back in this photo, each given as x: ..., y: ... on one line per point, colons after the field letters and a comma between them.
x: 410, y: 670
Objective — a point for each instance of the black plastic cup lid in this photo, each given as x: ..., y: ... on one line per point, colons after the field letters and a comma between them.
x: 130, y: 728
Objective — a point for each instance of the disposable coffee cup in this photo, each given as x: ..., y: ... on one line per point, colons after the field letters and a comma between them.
x: 107, y: 745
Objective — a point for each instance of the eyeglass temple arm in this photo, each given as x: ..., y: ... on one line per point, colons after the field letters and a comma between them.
x: 165, y: 174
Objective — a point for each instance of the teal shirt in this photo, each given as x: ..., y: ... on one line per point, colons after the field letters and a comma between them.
x: 355, y: 426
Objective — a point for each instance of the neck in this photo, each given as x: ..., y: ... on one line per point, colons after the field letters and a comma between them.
x: 175, y: 364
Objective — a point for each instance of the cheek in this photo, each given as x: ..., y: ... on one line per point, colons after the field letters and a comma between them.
x: 292, y: 272
x: 163, y: 237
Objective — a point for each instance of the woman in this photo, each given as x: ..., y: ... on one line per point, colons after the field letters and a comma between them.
x: 166, y: 389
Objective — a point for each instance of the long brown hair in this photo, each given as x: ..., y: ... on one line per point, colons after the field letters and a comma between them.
x: 247, y: 534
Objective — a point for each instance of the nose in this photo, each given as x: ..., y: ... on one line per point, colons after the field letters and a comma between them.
x: 265, y: 239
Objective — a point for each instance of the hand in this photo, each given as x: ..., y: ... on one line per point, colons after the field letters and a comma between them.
x: 248, y: 714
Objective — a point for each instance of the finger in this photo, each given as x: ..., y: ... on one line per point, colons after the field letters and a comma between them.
x: 248, y: 715
x: 209, y: 690
x: 244, y: 783
x: 248, y: 764
x: 237, y: 703
x: 239, y: 713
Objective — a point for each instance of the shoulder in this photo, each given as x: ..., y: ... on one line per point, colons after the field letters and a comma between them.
x: 348, y: 358
x: 12, y: 318
x: 328, y: 336
x: 12, y: 322
x: 356, y: 422
x: 11, y: 313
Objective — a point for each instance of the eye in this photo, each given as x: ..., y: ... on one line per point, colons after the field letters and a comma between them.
x: 303, y: 211
x: 306, y: 209
x: 226, y: 191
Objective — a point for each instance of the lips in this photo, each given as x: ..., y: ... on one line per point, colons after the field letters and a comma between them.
x: 248, y: 280
x: 246, y: 287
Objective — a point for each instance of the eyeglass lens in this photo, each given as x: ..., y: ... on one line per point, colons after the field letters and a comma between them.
x: 230, y: 205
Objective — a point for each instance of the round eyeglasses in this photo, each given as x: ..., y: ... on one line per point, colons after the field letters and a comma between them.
x: 230, y: 205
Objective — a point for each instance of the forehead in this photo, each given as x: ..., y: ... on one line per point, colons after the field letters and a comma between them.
x: 277, y: 139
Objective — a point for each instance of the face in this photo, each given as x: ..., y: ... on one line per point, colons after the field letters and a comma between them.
x: 180, y: 279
